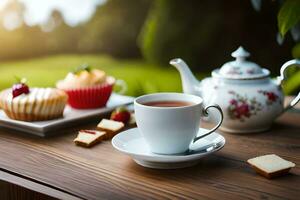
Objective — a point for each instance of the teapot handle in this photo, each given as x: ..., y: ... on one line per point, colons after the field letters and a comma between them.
x: 282, y: 77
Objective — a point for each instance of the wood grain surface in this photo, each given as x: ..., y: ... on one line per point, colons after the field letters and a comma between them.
x: 13, y: 186
x: 11, y: 191
x: 102, y: 172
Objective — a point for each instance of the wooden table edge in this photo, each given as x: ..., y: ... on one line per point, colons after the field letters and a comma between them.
x: 35, y: 186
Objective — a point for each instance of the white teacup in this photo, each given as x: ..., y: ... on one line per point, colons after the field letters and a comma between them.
x: 171, y: 130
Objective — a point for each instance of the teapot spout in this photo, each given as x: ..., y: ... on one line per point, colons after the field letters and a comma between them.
x: 190, y: 84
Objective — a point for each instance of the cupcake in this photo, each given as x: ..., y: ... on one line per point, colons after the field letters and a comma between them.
x: 87, y: 88
x: 32, y: 104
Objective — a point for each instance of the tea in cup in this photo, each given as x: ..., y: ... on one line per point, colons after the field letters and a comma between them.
x: 170, y: 122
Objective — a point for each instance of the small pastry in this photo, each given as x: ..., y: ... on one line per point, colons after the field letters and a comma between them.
x: 271, y: 166
x: 87, y: 88
x: 32, y: 104
x: 111, y: 127
x: 88, y: 138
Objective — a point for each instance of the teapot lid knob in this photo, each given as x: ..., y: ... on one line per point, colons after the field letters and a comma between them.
x: 240, y: 54
x: 241, y: 68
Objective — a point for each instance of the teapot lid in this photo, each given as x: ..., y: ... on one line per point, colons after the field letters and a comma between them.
x: 240, y: 68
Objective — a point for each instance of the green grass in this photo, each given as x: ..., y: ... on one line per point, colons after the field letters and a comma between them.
x: 141, y: 77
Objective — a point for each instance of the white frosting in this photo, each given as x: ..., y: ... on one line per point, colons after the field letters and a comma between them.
x: 37, y: 101
x: 82, y: 79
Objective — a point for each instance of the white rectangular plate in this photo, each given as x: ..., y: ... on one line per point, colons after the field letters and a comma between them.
x: 44, y: 128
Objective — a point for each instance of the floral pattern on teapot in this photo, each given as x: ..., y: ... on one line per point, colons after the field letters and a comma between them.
x: 241, y: 107
x: 271, y: 97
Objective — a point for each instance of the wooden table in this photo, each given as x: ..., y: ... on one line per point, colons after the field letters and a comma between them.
x: 54, y: 167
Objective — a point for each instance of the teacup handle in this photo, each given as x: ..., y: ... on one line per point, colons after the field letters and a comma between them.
x: 205, y: 113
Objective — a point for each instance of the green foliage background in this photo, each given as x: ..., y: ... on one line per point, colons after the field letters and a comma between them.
x: 173, y: 29
x: 288, y: 16
x: 141, y: 36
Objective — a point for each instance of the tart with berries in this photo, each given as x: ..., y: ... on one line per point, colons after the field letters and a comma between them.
x: 87, y: 88
x: 32, y: 104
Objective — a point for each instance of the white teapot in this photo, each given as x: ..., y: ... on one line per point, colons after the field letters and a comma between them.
x: 249, y: 98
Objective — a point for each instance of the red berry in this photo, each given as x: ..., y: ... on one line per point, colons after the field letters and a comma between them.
x: 120, y: 115
x: 19, y: 88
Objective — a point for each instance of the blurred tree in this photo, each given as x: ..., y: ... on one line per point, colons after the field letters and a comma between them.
x: 113, y: 30
x: 55, y: 20
x: 204, y: 33
x: 115, y: 27
x: 60, y: 37
x: 26, y: 41
x: 17, y: 39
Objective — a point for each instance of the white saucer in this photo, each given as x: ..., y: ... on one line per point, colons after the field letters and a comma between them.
x: 131, y: 143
